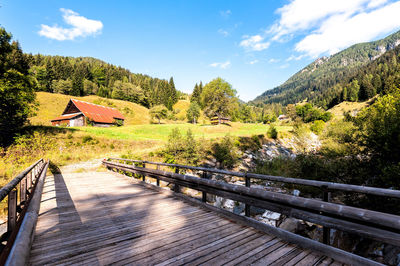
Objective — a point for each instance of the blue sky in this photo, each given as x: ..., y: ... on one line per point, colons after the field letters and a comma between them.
x: 254, y: 45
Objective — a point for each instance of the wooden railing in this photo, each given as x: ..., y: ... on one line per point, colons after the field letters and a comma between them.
x: 370, y: 224
x: 19, y: 193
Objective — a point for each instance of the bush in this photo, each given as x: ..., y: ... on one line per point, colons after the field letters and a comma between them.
x: 272, y: 132
x: 87, y: 139
x: 226, y: 152
x: 184, y: 150
x: 317, y: 127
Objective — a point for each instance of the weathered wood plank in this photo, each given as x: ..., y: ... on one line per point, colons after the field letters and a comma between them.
x: 123, y: 222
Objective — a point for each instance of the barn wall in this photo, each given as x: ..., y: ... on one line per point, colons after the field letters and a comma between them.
x: 78, y: 121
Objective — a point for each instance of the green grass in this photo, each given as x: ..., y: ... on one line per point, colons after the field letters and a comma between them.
x: 161, y: 132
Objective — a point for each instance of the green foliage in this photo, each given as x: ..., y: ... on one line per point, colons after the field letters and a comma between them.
x: 378, y: 128
x: 17, y: 96
x: 217, y: 98
x: 193, y: 113
x: 308, y: 113
x: 196, y: 95
x: 62, y: 86
x: 226, y: 152
x: 269, y: 117
x: 247, y: 114
x: 272, y: 132
x: 159, y: 112
x: 317, y: 127
x: 184, y: 150
x: 87, y: 139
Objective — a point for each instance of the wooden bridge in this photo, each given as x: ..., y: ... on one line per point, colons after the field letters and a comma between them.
x: 100, y: 218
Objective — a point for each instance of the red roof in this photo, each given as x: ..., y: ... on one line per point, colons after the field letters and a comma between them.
x: 98, y: 113
x: 65, y: 117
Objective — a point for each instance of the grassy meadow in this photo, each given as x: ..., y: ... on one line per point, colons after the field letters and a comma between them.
x: 161, y: 132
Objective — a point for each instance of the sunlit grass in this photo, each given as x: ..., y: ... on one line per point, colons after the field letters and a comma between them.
x: 161, y: 132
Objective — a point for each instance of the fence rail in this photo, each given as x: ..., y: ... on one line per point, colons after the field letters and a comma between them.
x: 330, y: 186
x: 18, y: 192
x: 374, y: 225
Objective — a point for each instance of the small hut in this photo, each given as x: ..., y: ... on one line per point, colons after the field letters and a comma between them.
x: 220, y: 120
x: 80, y: 113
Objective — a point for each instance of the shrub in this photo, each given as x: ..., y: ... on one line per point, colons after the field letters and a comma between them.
x: 87, y: 139
x: 317, y: 127
x: 226, y: 152
x: 272, y: 132
x: 181, y: 149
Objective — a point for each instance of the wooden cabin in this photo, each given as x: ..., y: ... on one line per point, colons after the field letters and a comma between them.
x: 80, y: 113
x: 223, y: 120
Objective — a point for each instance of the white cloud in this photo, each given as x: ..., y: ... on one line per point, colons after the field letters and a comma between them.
x: 225, y: 13
x: 222, y: 65
x: 303, y: 14
x: 326, y: 27
x: 81, y: 27
x: 296, y: 58
x: 223, y: 32
x: 341, y: 31
x: 273, y: 60
x: 253, y: 62
x: 254, y: 43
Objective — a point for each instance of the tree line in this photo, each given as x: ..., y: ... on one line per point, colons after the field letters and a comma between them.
x: 83, y: 76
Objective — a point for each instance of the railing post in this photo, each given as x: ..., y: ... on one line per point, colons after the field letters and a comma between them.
x: 203, y: 193
x: 22, y: 189
x: 144, y: 176
x: 12, y: 210
x: 326, y: 232
x: 158, y: 179
x: 29, y: 184
x: 176, y: 186
x: 247, y: 206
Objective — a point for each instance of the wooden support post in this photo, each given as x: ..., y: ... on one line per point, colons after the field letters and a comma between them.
x: 12, y: 210
x: 204, y: 194
x: 247, y: 206
x: 22, y: 189
x: 158, y: 179
x: 29, y: 180
x: 326, y: 232
x: 144, y: 176
x: 176, y: 186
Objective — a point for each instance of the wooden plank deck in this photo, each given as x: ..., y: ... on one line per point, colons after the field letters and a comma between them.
x: 100, y: 218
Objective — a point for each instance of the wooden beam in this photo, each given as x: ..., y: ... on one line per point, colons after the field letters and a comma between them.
x: 21, y: 248
x: 314, y: 183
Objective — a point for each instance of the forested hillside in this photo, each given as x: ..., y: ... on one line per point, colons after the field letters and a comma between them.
x: 83, y: 76
x: 318, y: 81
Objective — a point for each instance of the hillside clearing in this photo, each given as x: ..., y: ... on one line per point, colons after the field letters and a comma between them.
x: 52, y: 105
x: 349, y: 107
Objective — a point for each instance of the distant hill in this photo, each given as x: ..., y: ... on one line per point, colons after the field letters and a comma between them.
x: 52, y: 105
x: 82, y: 76
x: 316, y: 82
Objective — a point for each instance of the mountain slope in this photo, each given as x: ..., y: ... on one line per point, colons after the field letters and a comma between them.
x: 316, y: 81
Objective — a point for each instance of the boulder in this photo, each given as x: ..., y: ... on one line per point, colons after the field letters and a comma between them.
x: 292, y: 225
